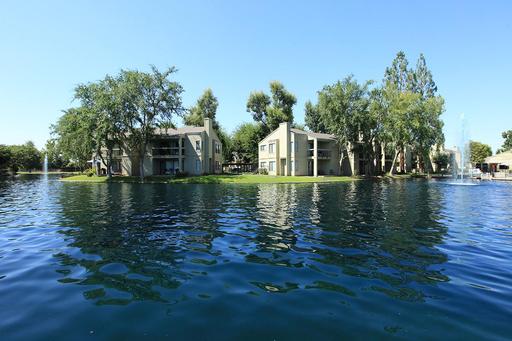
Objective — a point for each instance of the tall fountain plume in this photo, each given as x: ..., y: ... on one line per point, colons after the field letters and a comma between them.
x: 45, y: 164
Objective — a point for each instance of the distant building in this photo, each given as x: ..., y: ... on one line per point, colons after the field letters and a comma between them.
x: 501, y: 162
x: 193, y: 150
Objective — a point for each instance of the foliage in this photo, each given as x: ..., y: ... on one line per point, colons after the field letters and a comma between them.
x: 24, y: 157
x: 206, y: 107
x: 262, y: 171
x: 55, y: 158
x: 5, y: 157
x: 271, y: 110
x: 245, y: 142
x: 312, y: 117
x: 479, y: 151
x: 507, y: 144
x: 441, y: 159
x: 73, y: 131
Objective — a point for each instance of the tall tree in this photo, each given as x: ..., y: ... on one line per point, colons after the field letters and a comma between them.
x: 103, y: 101
x: 422, y: 81
x: 271, y: 110
x: 149, y: 99
x: 345, y: 109
x: 5, y: 157
x: 206, y: 107
x: 73, y: 132
x: 312, y: 118
x: 507, y: 144
x: 479, y: 151
x: 398, y: 73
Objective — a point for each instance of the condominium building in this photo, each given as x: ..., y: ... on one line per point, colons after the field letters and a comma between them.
x: 192, y: 150
x: 290, y: 151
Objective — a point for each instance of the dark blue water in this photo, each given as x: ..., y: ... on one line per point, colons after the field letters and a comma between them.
x: 366, y: 260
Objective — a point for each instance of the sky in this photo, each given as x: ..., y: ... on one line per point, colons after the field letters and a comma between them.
x: 235, y: 47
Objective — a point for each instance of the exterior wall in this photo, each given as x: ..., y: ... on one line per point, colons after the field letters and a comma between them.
x: 300, y: 154
x: 290, y: 156
x: 195, y: 162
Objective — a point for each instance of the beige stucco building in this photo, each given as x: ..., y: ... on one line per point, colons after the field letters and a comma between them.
x: 192, y: 150
x: 290, y: 151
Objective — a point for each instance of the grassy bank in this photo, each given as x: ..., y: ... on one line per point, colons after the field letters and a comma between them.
x: 213, y: 179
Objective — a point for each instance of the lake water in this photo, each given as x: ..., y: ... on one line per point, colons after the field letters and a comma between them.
x: 368, y: 259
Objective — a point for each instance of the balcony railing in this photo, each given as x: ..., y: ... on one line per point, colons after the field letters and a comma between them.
x: 174, y: 151
x: 321, y: 154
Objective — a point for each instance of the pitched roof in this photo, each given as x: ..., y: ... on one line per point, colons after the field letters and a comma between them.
x: 313, y: 134
x: 181, y: 130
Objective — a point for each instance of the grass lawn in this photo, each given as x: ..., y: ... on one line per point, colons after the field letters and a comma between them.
x: 214, y: 179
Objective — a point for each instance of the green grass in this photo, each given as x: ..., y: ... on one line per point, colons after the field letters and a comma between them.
x: 213, y: 179
x: 41, y: 172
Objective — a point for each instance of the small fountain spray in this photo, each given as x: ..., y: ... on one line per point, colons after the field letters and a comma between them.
x: 45, y: 164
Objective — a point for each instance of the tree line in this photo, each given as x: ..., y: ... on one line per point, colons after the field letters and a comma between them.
x: 24, y: 157
x: 401, y: 111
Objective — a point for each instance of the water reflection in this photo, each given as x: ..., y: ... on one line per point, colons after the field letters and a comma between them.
x: 134, y: 243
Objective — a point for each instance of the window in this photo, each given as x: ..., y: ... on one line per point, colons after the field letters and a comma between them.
x: 198, y: 166
x: 263, y: 164
x: 271, y: 166
x: 217, y: 165
x: 271, y: 148
x: 198, y: 145
x: 217, y: 147
x: 262, y: 147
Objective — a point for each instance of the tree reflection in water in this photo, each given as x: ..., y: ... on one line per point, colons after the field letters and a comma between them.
x: 130, y: 242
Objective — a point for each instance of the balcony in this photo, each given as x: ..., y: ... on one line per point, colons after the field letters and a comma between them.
x: 167, y: 151
x: 323, y: 154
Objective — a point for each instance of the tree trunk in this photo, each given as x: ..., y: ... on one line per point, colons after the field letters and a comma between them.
x: 393, y: 164
x: 141, y: 163
x: 109, y: 163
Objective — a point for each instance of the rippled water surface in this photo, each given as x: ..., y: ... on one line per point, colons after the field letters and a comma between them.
x: 368, y: 259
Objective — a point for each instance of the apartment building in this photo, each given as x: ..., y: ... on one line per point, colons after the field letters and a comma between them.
x: 193, y: 150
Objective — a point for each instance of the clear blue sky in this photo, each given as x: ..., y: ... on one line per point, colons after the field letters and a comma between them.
x: 234, y: 47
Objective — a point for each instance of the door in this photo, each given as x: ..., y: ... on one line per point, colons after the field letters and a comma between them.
x: 283, y: 167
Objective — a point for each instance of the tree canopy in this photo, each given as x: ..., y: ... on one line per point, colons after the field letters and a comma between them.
x: 479, y: 151
x: 270, y: 111
x: 507, y: 143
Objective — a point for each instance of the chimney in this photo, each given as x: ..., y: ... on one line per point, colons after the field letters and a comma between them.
x: 208, y: 125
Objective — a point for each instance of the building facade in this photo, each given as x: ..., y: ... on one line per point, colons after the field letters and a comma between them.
x: 191, y: 150
x: 289, y: 151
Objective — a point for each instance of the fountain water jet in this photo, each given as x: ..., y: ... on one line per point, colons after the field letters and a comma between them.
x: 463, y: 149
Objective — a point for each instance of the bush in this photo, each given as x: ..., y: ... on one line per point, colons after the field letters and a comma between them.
x: 90, y: 172
x: 180, y: 174
x: 262, y: 171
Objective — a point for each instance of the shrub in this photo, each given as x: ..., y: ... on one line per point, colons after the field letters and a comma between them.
x: 90, y: 172
x: 180, y: 174
x: 262, y: 171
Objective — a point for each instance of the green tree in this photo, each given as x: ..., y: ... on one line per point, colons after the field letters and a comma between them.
x: 271, y: 110
x: 149, y: 99
x: 478, y: 152
x: 105, y: 102
x: 422, y: 81
x: 441, y: 160
x: 245, y: 142
x: 25, y: 157
x: 206, y: 107
x: 399, y: 74
x: 507, y: 144
x: 55, y: 158
x: 73, y: 133
x: 345, y: 109
x: 313, y: 119
x: 5, y: 157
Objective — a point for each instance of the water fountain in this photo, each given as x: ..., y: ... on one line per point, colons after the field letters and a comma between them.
x: 45, y: 164
x: 463, y: 149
